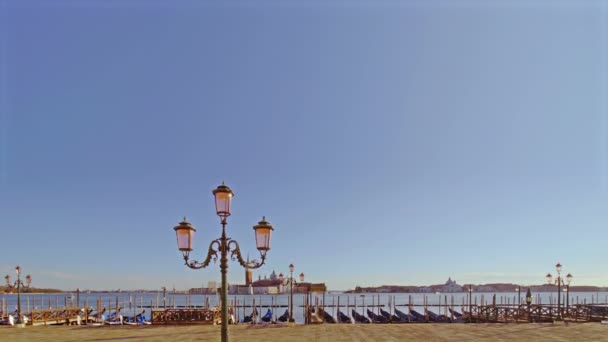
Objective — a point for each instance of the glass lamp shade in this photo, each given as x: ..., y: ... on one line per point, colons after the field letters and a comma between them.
x: 281, y: 277
x: 549, y: 278
x: 302, y: 277
x: 18, y: 270
x: 569, y: 278
x: 28, y: 279
x: 8, y: 279
x: 223, y: 197
x: 263, y: 231
x: 558, y: 267
x: 185, y: 236
x: 291, y: 267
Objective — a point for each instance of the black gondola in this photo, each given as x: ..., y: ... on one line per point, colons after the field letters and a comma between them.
x: 405, y: 317
x: 376, y: 318
x: 267, y: 317
x: 249, y: 319
x: 418, y: 316
x: 343, y: 318
x: 327, y: 318
x: 458, y: 317
x: 391, y: 318
x: 284, y: 317
x: 359, y: 318
x: 433, y: 317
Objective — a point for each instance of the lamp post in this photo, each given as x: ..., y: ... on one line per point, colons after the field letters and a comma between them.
x: 290, y: 281
x: 518, y: 290
x: 470, y: 303
x: 185, y: 233
x: 18, y: 284
x: 529, y: 302
x: 568, y: 280
x: 559, y: 282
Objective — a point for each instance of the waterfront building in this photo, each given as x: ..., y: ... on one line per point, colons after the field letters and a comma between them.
x: 272, y: 285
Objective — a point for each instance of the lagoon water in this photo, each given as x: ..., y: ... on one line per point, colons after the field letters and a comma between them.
x: 132, y: 303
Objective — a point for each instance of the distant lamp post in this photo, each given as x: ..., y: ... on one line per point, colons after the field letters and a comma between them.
x: 518, y: 290
x: 185, y: 234
x: 568, y: 280
x: 470, y: 303
x: 529, y: 303
x: 290, y: 281
x: 18, y: 284
x: 559, y: 281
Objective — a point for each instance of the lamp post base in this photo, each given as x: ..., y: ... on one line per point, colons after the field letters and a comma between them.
x: 19, y: 325
x: 291, y: 323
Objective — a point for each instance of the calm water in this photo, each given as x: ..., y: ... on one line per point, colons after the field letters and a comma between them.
x: 132, y: 303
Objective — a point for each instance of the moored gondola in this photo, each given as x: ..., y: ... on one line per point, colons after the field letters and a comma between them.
x: 343, y: 318
x: 284, y: 317
x: 267, y: 317
x: 391, y: 318
x: 359, y: 318
x: 437, y: 318
x: 327, y: 318
x: 376, y: 318
x: 249, y: 319
x: 418, y: 316
x: 405, y: 317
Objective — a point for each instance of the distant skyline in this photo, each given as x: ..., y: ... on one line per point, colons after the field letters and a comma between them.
x: 387, y: 142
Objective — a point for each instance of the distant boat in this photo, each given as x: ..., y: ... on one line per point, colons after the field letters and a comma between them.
x: 359, y: 318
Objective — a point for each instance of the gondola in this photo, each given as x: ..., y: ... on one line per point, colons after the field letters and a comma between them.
x: 376, y: 318
x: 343, y: 318
x: 327, y: 318
x: 458, y: 317
x: 139, y: 319
x: 359, y: 318
x: 418, y: 316
x: 284, y: 317
x: 8, y: 319
x: 433, y: 317
x: 249, y: 319
x: 455, y: 313
x: 392, y: 318
x: 113, y: 319
x: 267, y: 317
x: 405, y: 317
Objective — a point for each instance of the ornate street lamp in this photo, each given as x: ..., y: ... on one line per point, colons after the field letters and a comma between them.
x: 185, y: 235
x: 529, y: 302
x: 568, y: 280
x: 18, y: 284
x: 559, y: 281
x: 290, y: 281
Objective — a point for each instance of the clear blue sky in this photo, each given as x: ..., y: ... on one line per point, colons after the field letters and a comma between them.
x: 387, y: 142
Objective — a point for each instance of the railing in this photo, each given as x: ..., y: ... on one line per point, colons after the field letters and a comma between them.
x: 55, y: 316
x: 535, y: 313
x: 186, y: 316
